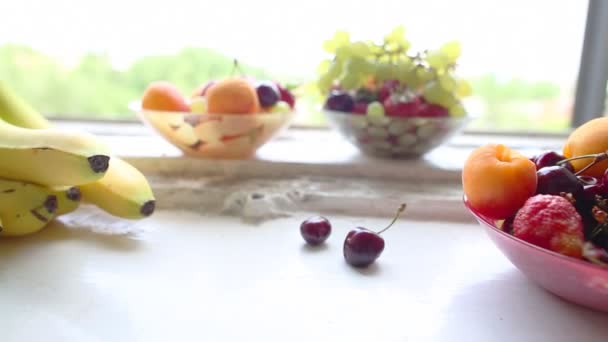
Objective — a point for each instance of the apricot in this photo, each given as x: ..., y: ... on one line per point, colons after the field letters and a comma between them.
x: 589, y: 138
x: 232, y: 96
x: 164, y: 96
x: 497, y: 180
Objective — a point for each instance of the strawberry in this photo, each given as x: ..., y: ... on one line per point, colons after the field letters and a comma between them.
x: 551, y: 222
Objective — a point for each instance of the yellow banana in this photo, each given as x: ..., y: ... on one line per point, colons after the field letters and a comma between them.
x: 16, y: 111
x: 25, y: 208
x: 51, y: 157
x: 123, y: 190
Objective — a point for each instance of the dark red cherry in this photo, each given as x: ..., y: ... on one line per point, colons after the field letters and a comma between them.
x: 551, y: 158
x: 363, y: 246
x: 315, y: 230
x: 553, y: 180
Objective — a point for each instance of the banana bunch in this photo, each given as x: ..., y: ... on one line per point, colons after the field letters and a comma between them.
x: 46, y: 172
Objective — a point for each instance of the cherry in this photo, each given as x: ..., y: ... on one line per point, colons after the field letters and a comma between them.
x: 315, y: 230
x: 363, y: 246
x: 268, y: 93
x: 340, y: 101
x: 551, y: 158
x: 553, y: 180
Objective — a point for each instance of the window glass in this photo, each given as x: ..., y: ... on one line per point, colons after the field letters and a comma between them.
x: 89, y: 59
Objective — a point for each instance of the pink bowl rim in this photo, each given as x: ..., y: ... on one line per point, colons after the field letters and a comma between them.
x: 490, y: 224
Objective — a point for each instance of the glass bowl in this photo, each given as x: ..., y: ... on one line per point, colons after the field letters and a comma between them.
x: 216, y: 136
x: 572, y: 279
x: 394, y: 137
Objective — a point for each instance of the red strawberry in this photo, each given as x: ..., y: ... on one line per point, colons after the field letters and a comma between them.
x: 551, y: 222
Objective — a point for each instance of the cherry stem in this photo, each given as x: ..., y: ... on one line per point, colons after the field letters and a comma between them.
x: 399, y: 211
x: 597, y: 157
x: 237, y: 67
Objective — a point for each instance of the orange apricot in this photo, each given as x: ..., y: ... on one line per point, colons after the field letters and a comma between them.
x: 497, y: 180
x: 589, y: 138
x: 232, y: 96
x: 164, y: 96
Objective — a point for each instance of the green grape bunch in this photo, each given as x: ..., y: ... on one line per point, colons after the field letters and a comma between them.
x: 429, y: 74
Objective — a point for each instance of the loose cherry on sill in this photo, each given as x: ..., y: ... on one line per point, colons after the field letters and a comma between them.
x: 315, y: 230
x: 363, y: 246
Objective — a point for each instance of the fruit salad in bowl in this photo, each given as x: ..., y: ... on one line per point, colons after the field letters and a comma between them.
x: 229, y: 118
x: 388, y: 101
x: 548, y: 213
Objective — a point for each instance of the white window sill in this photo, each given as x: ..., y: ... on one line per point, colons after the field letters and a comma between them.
x: 307, y: 169
x: 314, y: 151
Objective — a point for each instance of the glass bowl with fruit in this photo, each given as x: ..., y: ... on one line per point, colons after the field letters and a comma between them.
x: 389, y: 102
x: 228, y: 118
x: 548, y: 214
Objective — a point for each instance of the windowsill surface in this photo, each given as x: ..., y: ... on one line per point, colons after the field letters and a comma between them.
x: 316, y: 149
x: 190, y: 273
x: 306, y: 169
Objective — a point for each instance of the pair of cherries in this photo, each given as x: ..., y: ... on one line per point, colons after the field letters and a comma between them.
x: 361, y: 247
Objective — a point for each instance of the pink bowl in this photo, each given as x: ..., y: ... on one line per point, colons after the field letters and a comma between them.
x: 572, y: 279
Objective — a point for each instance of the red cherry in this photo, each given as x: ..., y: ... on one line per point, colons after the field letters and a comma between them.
x: 315, y: 230
x: 363, y: 246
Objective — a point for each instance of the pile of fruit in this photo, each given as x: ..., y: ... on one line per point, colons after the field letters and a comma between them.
x: 46, y: 172
x: 556, y: 200
x: 388, y: 100
x: 233, y: 95
x: 364, y: 77
x: 227, y: 117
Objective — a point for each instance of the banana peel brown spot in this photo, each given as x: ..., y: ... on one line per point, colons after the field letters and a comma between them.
x: 148, y: 208
x: 50, y: 204
x: 73, y: 194
x: 174, y: 127
x: 38, y: 215
x: 8, y: 191
x: 99, y: 163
